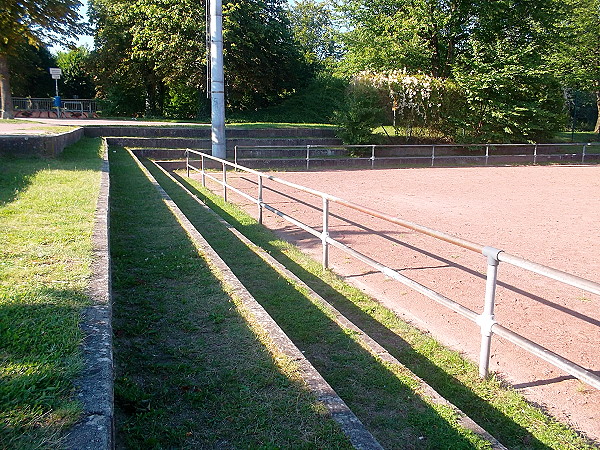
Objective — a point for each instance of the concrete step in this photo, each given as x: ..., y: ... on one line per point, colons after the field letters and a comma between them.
x: 205, y: 143
x: 200, y: 132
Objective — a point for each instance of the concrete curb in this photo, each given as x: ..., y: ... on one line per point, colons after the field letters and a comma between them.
x: 48, y: 146
x: 95, y: 386
x: 358, y: 435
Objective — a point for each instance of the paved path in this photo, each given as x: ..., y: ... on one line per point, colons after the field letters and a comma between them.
x: 41, y: 126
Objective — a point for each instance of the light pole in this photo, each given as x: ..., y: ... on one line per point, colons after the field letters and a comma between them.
x: 217, y: 83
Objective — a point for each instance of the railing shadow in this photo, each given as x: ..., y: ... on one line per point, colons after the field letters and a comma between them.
x: 503, y: 427
x: 441, y: 259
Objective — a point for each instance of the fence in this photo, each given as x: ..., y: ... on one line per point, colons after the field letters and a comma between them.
x: 428, y: 154
x: 34, y: 107
x: 486, y: 321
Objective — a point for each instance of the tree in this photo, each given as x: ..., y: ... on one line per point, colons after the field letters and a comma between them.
x: 495, y: 50
x: 32, y: 22
x: 76, y: 80
x: 160, y: 46
x: 28, y: 69
x: 577, y: 57
x: 313, y: 27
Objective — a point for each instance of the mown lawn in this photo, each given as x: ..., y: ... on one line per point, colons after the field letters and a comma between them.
x: 47, y: 211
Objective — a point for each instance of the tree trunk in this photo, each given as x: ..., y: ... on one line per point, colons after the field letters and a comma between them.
x: 6, y: 106
x: 597, y: 127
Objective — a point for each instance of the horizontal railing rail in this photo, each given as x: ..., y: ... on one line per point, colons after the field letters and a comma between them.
x: 430, y: 152
x: 486, y: 320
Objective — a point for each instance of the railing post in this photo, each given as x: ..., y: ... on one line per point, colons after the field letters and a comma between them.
x: 535, y: 153
x: 187, y: 161
x: 432, y: 154
x: 372, y: 156
x: 325, y: 233
x: 486, y: 319
x: 260, y: 199
x: 224, y: 182
x: 487, y: 153
x: 203, y: 174
x: 235, y: 155
x: 583, y: 154
x: 307, y: 156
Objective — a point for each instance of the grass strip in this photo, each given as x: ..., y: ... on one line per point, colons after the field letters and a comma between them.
x: 492, y: 404
x: 47, y: 211
x: 191, y: 373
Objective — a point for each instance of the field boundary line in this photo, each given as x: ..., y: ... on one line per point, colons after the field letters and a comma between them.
x: 358, y: 435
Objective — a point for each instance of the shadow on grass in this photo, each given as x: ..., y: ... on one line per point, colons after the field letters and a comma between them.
x: 39, y: 356
x: 503, y: 427
x: 190, y: 372
x: 373, y: 392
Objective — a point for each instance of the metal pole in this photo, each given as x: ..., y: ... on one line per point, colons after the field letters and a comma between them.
x: 235, y: 154
x: 535, y: 154
x: 224, y: 182
x: 583, y: 155
x: 187, y: 162
x: 217, y: 82
x: 307, y: 156
x: 325, y: 233
x: 373, y: 155
x: 432, y: 154
x: 487, y: 154
x: 58, y: 104
x: 486, y: 320
x: 260, y: 200
x: 203, y: 174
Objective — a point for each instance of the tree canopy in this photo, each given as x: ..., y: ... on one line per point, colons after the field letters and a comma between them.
x: 159, y: 47
x: 32, y: 22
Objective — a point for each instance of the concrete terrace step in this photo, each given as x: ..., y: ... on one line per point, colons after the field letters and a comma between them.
x: 205, y: 143
x: 204, y: 132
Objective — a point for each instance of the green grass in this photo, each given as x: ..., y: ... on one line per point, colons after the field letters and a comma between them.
x: 376, y: 396
x: 190, y: 371
x: 382, y: 396
x: 578, y: 136
x: 46, y: 217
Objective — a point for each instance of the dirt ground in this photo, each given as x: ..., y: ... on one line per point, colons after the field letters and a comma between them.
x: 547, y: 214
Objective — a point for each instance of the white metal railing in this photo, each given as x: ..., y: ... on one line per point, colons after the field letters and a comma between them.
x: 485, y: 320
x: 47, y: 104
x: 430, y: 152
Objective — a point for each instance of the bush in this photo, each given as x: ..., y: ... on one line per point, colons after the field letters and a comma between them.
x: 360, y: 114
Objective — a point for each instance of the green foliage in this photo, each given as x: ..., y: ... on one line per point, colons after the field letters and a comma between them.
x: 157, y: 46
x: 76, y: 80
x: 511, y: 95
x: 32, y: 22
x: 313, y: 27
x: 577, y: 56
x: 315, y: 103
x: 29, y: 74
x: 492, y: 53
x: 360, y: 114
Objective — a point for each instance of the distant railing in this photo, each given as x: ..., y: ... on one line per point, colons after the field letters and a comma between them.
x: 425, y: 154
x: 486, y: 320
x: 44, y: 107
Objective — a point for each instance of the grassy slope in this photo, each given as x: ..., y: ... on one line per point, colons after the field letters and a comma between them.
x: 46, y: 220
x: 190, y: 372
